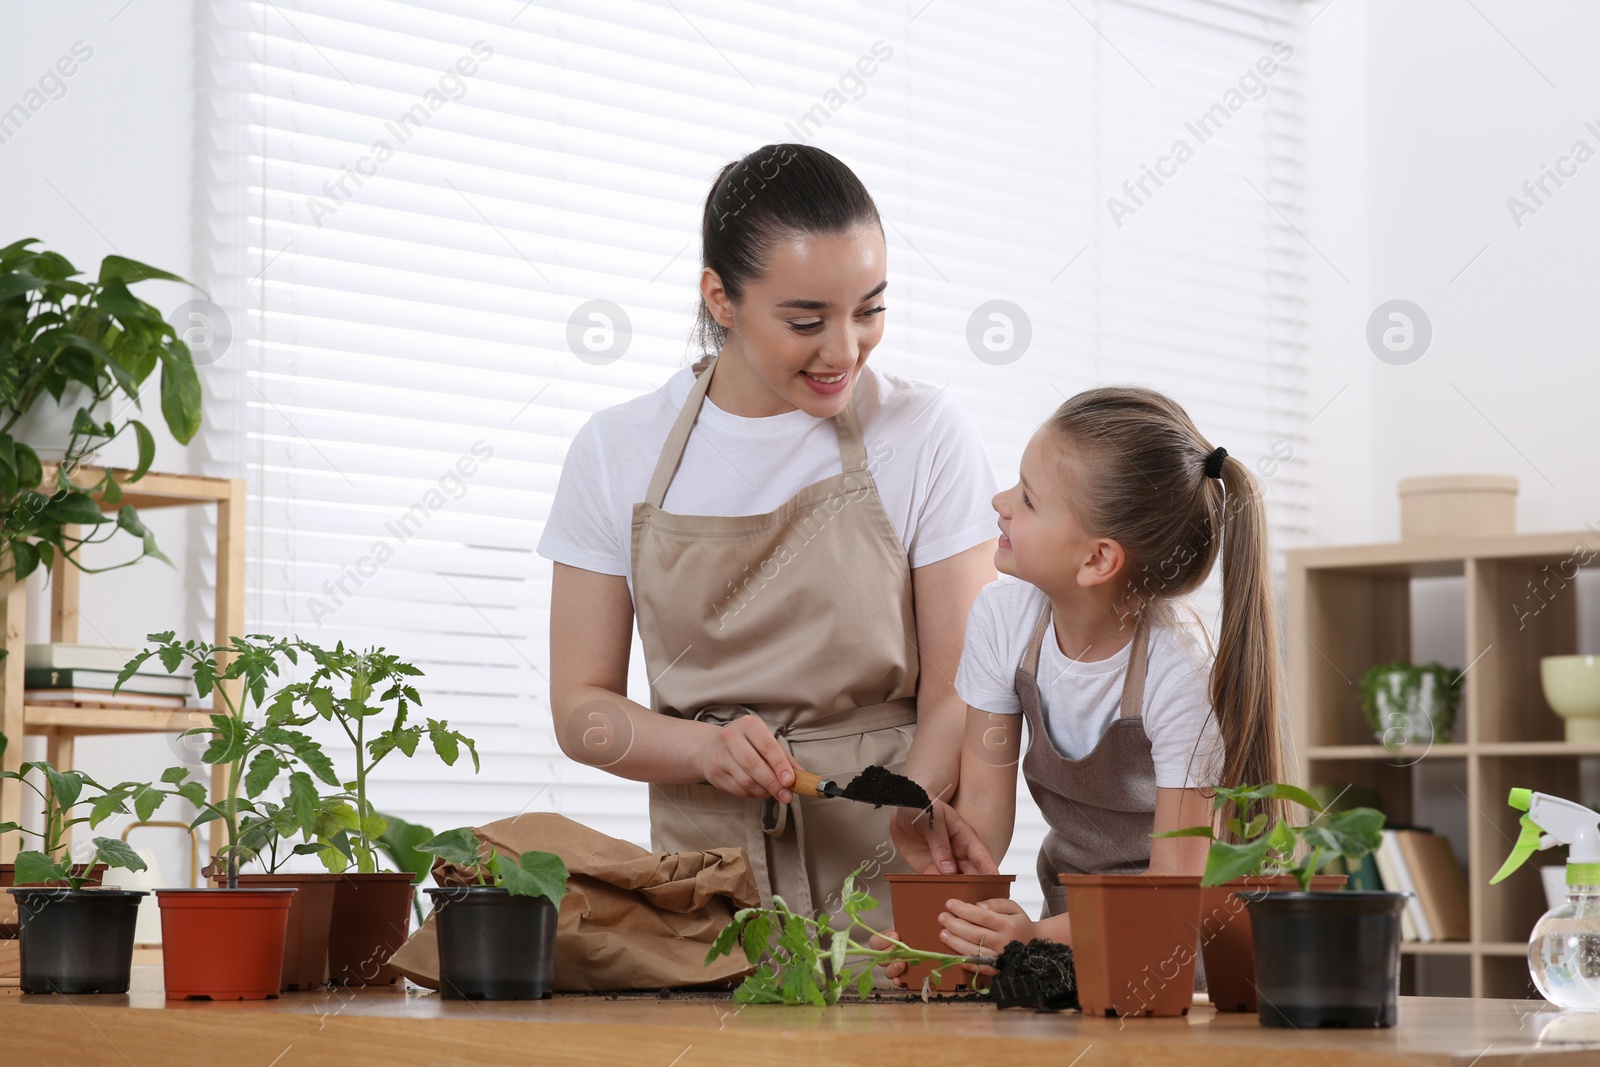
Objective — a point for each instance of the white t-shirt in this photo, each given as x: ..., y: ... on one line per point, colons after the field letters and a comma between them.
x: 923, y: 450
x: 1081, y: 699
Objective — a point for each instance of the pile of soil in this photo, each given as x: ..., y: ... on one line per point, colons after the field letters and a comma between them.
x: 879, y: 786
x: 1038, y: 975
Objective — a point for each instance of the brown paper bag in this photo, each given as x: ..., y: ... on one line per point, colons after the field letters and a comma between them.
x: 630, y: 920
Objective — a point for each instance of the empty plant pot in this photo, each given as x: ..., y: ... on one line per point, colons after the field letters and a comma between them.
x: 1328, y: 959
x: 305, y: 943
x: 371, y: 920
x: 223, y: 944
x: 918, y: 900
x: 76, y: 940
x: 1135, y: 938
x: 1225, y: 942
x: 493, y: 945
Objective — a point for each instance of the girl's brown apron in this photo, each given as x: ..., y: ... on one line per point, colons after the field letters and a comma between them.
x: 804, y: 617
x: 1102, y: 808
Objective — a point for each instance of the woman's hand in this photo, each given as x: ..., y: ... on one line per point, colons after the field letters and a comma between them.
x: 744, y: 759
x: 943, y: 844
x: 891, y: 971
x: 984, y: 929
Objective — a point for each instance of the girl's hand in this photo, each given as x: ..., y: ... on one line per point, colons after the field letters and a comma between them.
x: 744, y: 759
x: 984, y: 929
x: 946, y: 844
x: 891, y: 971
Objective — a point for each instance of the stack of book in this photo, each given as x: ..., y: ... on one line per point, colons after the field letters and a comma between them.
x: 86, y: 674
x: 1421, y: 863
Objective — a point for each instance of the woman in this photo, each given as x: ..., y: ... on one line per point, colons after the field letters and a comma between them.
x: 799, y: 538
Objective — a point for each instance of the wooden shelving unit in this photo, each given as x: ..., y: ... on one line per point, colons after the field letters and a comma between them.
x: 62, y: 725
x: 1350, y: 608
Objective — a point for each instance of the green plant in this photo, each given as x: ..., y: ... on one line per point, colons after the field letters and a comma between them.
x: 254, y: 753
x: 80, y: 342
x: 369, y: 683
x: 809, y: 962
x: 52, y: 863
x: 1403, y: 683
x: 1282, y: 848
x: 401, y: 842
x: 534, y: 874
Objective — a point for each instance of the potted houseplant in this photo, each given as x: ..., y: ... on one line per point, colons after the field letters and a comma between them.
x: 68, y: 349
x: 801, y: 960
x: 497, y: 937
x: 372, y: 907
x: 249, y: 921
x: 918, y: 900
x: 1250, y: 863
x: 75, y: 939
x: 1407, y: 704
x: 1322, y: 958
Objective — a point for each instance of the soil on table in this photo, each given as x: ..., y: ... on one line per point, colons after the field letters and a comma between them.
x: 879, y: 786
x: 1037, y: 975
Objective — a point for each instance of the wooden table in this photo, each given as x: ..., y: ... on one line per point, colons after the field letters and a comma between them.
x: 393, y: 1026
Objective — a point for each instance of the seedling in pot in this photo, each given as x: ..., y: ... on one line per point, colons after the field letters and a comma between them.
x: 52, y: 863
x: 1282, y: 848
x: 532, y: 874
x: 809, y: 962
x: 254, y: 753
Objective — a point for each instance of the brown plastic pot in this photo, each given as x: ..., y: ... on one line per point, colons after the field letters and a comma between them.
x: 917, y: 901
x: 305, y: 942
x: 1135, y: 940
x: 223, y: 944
x: 1225, y: 941
x: 371, y: 920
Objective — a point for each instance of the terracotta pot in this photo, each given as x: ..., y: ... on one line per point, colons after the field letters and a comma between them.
x: 8, y: 905
x: 1225, y: 942
x: 917, y: 901
x: 371, y: 920
x: 305, y: 944
x: 1134, y: 941
x: 223, y: 944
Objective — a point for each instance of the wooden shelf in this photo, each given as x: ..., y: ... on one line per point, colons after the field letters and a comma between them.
x: 1350, y: 608
x: 62, y: 724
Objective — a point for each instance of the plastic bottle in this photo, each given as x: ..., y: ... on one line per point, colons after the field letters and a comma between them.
x: 1564, y: 949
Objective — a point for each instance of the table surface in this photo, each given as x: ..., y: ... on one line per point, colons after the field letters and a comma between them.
x: 400, y: 1026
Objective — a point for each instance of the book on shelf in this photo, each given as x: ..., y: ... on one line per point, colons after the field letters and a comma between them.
x: 1441, y: 891
x: 102, y: 696
x: 1362, y: 875
x: 63, y: 655
x: 1391, y: 868
x: 76, y: 678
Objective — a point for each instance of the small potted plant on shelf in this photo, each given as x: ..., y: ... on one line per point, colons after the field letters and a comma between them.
x: 1322, y: 957
x: 68, y: 348
x: 254, y: 753
x: 372, y: 907
x: 497, y: 937
x: 1408, y: 704
x: 76, y: 937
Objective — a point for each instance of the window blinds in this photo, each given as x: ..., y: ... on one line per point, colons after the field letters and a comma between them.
x: 408, y: 204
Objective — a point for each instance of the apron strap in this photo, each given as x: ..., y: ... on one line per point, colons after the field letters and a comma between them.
x: 852, y: 450
x: 1030, y: 658
x: 1132, y: 683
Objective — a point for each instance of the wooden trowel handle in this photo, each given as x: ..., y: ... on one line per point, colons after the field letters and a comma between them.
x: 807, y: 784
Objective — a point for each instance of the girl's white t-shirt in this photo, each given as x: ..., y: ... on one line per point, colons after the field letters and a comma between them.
x: 923, y: 450
x: 1082, y: 698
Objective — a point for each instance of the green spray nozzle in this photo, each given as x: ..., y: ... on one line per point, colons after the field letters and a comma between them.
x: 1552, y: 821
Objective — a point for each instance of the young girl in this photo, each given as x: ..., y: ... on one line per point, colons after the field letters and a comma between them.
x: 1122, y: 508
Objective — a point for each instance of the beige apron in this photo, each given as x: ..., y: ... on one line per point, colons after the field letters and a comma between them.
x: 804, y: 617
x: 1102, y: 808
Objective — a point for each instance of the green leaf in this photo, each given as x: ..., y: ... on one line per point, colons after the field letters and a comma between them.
x: 728, y: 936
x: 76, y: 507
x: 399, y: 842
x: 266, y: 767
x: 147, y: 448
x: 444, y: 741
x: 35, y: 868
x: 194, y: 793
x: 106, y: 805
x: 535, y: 874
x: 25, y: 558
x: 65, y: 786
x: 146, y: 801
x: 120, y: 268
x: 180, y: 392
x: 303, y: 802
x: 1297, y: 795
x: 174, y: 775
x: 228, y: 744
x: 864, y: 985
x: 756, y: 936
x: 458, y: 846
x: 115, y: 853
x: 1226, y: 862
x: 1188, y: 831
x: 30, y: 472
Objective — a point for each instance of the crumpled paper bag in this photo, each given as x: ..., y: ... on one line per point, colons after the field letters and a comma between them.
x: 631, y: 919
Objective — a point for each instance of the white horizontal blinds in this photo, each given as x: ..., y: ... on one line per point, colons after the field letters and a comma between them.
x: 386, y: 326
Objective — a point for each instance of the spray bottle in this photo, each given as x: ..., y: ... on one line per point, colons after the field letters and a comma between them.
x: 1564, y: 950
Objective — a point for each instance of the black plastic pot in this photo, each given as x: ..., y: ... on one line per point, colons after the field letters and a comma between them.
x: 494, y: 946
x: 76, y: 940
x: 1328, y: 959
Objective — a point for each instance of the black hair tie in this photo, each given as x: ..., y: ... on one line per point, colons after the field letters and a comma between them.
x: 1214, y: 463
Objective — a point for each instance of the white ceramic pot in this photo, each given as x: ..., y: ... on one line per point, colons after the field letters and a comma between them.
x: 47, y: 426
x: 1406, y: 722
x: 1572, y: 686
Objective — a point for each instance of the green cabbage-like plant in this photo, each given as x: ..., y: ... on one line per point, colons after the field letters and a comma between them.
x: 61, y: 336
